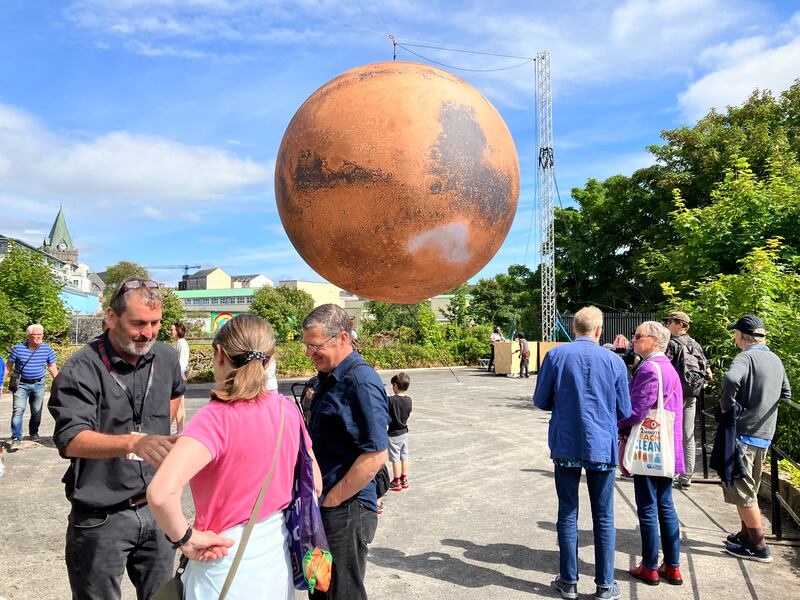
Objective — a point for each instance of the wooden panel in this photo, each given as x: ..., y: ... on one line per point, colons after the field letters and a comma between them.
x: 544, y: 348
x: 505, y: 361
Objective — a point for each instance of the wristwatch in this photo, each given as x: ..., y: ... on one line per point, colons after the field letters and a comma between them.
x: 182, y: 541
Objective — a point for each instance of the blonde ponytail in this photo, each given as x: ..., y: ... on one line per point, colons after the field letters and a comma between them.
x: 247, y: 343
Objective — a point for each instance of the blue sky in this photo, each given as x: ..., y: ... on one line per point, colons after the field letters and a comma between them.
x: 155, y: 123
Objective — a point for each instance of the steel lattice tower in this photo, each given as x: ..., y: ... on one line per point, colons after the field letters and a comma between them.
x: 545, y: 180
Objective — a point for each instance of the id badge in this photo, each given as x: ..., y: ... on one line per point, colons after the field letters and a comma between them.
x: 131, y: 455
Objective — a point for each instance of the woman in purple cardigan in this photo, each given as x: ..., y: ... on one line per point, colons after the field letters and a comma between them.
x: 654, y: 494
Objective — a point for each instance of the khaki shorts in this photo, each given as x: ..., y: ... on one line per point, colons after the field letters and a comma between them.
x: 744, y: 491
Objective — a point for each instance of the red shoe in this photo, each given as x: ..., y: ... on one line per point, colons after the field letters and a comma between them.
x: 396, y: 485
x: 642, y: 573
x: 671, y: 574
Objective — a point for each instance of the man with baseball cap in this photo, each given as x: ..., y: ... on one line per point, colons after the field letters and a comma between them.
x: 689, y: 360
x: 757, y: 382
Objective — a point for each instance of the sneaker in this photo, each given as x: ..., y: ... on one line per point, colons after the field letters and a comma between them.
x: 567, y: 590
x: 396, y: 485
x: 34, y: 437
x: 748, y: 551
x: 671, y: 574
x: 15, y: 444
x: 642, y: 573
x: 404, y: 483
x: 737, y: 539
x: 611, y: 592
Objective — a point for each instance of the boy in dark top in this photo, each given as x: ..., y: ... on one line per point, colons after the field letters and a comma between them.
x: 399, y: 410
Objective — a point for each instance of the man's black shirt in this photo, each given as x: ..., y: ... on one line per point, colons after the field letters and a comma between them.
x: 85, y: 396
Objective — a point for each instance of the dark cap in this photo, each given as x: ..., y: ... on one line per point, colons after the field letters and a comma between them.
x: 749, y: 324
x: 680, y: 316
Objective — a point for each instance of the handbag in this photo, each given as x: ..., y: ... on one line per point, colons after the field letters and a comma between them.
x: 13, y: 381
x: 651, y: 446
x: 308, y: 545
x: 173, y: 589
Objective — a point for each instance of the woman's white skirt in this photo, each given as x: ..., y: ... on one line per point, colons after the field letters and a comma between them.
x: 265, y: 572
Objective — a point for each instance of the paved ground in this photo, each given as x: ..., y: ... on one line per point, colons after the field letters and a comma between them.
x: 477, y: 523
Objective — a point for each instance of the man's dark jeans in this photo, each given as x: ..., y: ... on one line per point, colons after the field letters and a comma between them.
x: 101, y: 546
x: 350, y: 528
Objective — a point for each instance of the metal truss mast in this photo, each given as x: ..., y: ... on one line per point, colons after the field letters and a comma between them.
x: 545, y: 180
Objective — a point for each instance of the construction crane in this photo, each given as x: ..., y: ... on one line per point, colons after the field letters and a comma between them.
x: 186, y: 268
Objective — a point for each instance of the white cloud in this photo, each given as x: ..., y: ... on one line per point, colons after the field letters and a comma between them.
x: 37, y: 163
x: 772, y: 68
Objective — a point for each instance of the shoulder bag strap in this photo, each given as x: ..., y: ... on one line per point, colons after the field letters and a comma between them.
x: 660, y: 386
x: 252, y: 521
x: 25, y: 364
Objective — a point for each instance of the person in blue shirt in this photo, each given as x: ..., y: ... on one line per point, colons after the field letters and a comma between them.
x: 586, y: 389
x: 30, y: 360
x: 348, y: 427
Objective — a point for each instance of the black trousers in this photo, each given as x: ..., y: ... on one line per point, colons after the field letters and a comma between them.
x: 102, y: 546
x: 491, y: 359
x: 350, y: 528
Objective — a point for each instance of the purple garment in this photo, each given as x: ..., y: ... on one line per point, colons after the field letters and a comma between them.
x: 644, y: 396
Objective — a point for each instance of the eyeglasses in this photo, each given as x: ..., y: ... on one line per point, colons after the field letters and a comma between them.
x: 317, y: 347
x: 638, y: 336
x: 132, y: 285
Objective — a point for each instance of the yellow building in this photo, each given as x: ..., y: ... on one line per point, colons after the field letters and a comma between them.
x: 323, y: 293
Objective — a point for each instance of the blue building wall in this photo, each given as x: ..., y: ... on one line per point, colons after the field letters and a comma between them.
x: 77, y: 301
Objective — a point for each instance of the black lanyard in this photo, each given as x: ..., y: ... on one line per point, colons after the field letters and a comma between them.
x: 137, y: 417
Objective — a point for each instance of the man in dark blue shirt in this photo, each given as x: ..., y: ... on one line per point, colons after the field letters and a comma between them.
x: 348, y: 426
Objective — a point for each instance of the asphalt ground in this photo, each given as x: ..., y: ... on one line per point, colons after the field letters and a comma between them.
x: 478, y: 521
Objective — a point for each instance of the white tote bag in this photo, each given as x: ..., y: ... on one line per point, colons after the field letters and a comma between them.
x: 651, y: 445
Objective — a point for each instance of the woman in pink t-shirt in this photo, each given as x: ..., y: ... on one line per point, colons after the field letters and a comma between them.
x: 224, y: 453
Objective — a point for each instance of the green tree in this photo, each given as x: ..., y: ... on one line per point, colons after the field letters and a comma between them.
x: 512, y: 297
x: 456, y: 312
x: 119, y: 272
x: 12, y: 323
x: 32, y: 291
x: 171, y: 312
x: 284, y: 308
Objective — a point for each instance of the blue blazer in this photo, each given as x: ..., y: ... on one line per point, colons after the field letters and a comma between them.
x: 585, y: 386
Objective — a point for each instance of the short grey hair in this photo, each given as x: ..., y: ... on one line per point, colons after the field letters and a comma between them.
x: 151, y: 297
x: 587, y: 320
x: 331, y: 318
x: 659, y: 332
x: 752, y: 339
x: 30, y: 328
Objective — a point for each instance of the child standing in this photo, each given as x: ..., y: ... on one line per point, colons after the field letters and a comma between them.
x: 399, y: 410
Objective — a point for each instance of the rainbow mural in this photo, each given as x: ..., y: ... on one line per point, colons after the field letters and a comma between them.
x: 219, y: 319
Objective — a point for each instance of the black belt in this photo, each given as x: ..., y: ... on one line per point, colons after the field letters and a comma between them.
x: 26, y: 380
x: 135, y: 502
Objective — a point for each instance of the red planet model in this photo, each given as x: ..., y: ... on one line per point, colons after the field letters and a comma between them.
x: 397, y: 181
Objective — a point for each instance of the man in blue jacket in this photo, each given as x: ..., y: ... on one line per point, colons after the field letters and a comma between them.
x: 586, y: 388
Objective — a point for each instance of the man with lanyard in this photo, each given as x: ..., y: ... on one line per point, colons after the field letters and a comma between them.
x: 348, y: 427
x: 29, y: 360
x: 111, y: 403
x: 757, y: 382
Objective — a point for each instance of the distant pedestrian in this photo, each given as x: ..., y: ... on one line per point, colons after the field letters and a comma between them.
x: 756, y: 382
x: 178, y: 333
x: 654, y: 504
x: 524, y: 352
x: 497, y: 336
x: 399, y: 411
x: 586, y: 389
x: 29, y: 360
x: 691, y: 364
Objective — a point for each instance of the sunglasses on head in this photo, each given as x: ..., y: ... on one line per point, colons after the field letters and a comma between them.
x: 132, y: 285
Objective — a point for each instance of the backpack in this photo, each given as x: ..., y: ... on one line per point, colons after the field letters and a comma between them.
x: 691, y: 364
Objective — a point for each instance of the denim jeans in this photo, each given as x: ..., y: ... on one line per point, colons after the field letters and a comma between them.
x: 601, y: 498
x: 657, y: 513
x: 102, y: 546
x: 689, y: 412
x: 27, y: 392
x: 350, y: 528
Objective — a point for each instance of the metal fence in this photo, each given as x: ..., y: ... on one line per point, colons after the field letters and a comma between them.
x: 777, y: 501
x: 613, y: 324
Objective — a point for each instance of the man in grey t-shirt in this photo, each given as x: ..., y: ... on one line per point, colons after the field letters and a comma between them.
x: 756, y: 380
